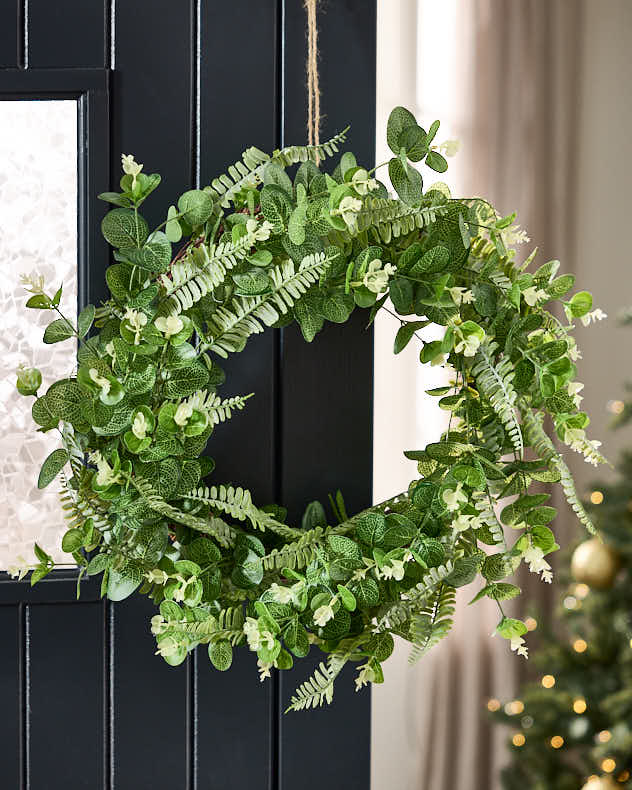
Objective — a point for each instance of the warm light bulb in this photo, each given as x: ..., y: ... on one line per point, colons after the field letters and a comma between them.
x: 608, y: 765
x: 570, y: 602
x: 513, y: 708
x: 531, y: 623
x: 623, y: 776
x: 616, y: 406
x: 493, y: 705
x: 596, y: 497
x: 581, y: 590
x: 604, y: 736
x: 518, y: 739
x: 557, y: 741
x: 548, y: 681
x: 579, y: 645
x: 579, y: 706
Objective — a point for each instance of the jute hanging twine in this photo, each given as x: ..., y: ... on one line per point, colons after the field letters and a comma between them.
x: 313, y: 90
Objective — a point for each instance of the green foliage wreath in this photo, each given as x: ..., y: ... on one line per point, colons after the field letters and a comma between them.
x: 261, y: 249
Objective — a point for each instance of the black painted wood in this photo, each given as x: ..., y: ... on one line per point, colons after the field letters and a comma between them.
x: 10, y: 730
x: 191, y: 85
x: 66, y: 705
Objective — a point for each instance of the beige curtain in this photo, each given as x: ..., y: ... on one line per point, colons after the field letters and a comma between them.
x: 518, y: 75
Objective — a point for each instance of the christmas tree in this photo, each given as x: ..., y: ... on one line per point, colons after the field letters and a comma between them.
x: 571, y: 728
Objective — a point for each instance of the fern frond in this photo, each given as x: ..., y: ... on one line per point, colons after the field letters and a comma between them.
x: 216, y: 409
x: 198, y: 274
x: 223, y: 533
x: 227, y: 625
x: 433, y: 624
x: 78, y: 506
x: 389, y: 218
x: 237, y: 503
x: 230, y: 327
x: 399, y: 613
x: 73, y: 448
x: 298, y: 554
x: 302, y: 153
x: 495, y: 382
x: 246, y: 172
x: 320, y: 686
x: 544, y: 447
x: 488, y: 516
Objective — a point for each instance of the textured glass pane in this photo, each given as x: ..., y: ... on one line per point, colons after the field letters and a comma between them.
x: 38, y: 232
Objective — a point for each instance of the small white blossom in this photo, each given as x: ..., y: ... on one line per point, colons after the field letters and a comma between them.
x: 450, y: 147
x: 109, y: 349
x: 453, y: 498
x: 469, y: 345
x: 251, y: 630
x: 167, y: 647
x: 463, y: 523
x: 534, y: 557
x: 169, y: 326
x: 105, y: 473
x: 574, y: 438
x: 157, y: 576
x: 365, y: 676
x: 573, y: 352
x: 158, y: 624
x: 19, y: 568
x: 281, y: 594
x: 136, y: 320
x: 460, y: 295
x: 183, y: 413
x: 518, y: 645
x: 99, y: 380
x: 361, y: 182
x: 594, y: 315
x: 323, y: 615
x: 130, y: 166
x: 139, y: 426
x: 533, y: 295
x: 257, y: 232
x: 264, y: 668
x: 33, y: 282
x: 376, y: 277
x: 395, y: 570
x: 514, y: 235
x: 574, y: 388
x: 592, y: 455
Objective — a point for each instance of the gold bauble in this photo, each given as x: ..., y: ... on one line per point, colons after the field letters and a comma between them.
x: 595, y: 564
x: 601, y: 783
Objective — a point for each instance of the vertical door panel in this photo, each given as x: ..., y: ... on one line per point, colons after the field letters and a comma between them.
x: 67, y: 33
x: 150, y: 730
x: 11, y: 31
x: 10, y: 676
x: 65, y: 656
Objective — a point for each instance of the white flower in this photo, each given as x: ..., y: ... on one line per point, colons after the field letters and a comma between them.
x: 594, y: 315
x: 347, y: 209
x: 376, y: 277
x: 139, y: 426
x: 281, y: 594
x: 33, y: 282
x: 517, y: 644
x: 157, y: 576
x: 591, y: 453
x: 264, y: 669
x: 450, y: 147
x: 169, y: 326
x: 573, y: 352
x: 469, y: 345
x: 323, y: 615
x: 109, y: 349
x: 130, y: 166
x: 251, y: 630
x: 534, y: 295
x: 19, y: 569
x: 460, y: 295
x: 365, y: 676
x: 167, y: 647
x: 574, y: 438
x: 183, y: 412
x: 463, y: 523
x: 105, y: 473
x: 258, y: 232
x: 136, y: 320
x: 513, y: 235
x: 158, y: 624
x: 454, y: 497
x: 574, y: 388
x: 534, y: 557
x: 395, y: 570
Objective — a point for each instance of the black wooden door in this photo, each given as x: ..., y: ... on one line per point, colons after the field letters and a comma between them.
x: 186, y: 85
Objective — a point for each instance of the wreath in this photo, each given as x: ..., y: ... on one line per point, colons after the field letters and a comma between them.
x: 257, y: 249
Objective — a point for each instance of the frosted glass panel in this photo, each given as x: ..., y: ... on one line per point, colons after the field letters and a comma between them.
x: 38, y: 232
